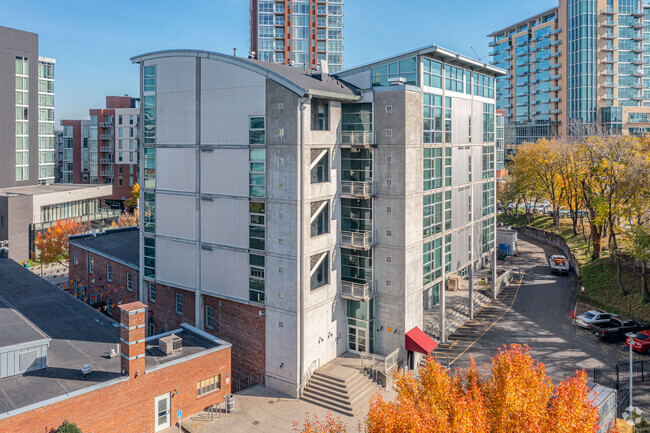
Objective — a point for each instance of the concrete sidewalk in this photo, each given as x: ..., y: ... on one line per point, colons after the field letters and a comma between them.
x: 258, y: 409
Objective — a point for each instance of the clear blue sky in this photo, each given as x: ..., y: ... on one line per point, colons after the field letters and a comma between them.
x: 92, y: 41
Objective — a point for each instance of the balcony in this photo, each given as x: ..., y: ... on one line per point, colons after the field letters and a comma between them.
x: 106, y: 124
x: 556, y: 31
x: 355, y: 189
x: 357, y: 240
x: 636, y: 121
x: 609, y: 11
x: 638, y: 26
x: 638, y: 97
x: 106, y: 149
x: 609, y: 36
x: 638, y: 14
x: 106, y: 137
x: 638, y: 50
x: 556, y: 88
x: 556, y: 77
x: 609, y: 85
x: 555, y: 43
x: 556, y: 111
x: 106, y: 161
x: 555, y: 99
x: 607, y: 60
x: 609, y: 48
x: 637, y: 86
x: 638, y: 73
x: 609, y: 24
x: 106, y: 173
x: 638, y: 62
x: 358, y: 139
x: 358, y: 291
x: 609, y: 97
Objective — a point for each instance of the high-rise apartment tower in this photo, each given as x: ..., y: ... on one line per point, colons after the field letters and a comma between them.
x: 583, y: 63
x: 298, y: 32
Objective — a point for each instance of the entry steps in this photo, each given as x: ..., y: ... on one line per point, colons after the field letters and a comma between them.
x: 347, y: 394
x: 457, y: 313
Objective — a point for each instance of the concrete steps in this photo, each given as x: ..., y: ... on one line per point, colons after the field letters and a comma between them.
x: 347, y: 395
x: 457, y: 313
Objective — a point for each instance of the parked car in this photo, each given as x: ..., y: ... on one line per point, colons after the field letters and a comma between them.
x: 593, y: 317
x: 559, y: 265
x: 616, y: 328
x: 640, y: 342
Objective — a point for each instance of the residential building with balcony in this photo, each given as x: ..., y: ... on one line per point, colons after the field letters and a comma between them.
x: 570, y: 68
x: 104, y: 149
x: 27, y: 117
x: 303, y: 215
x: 298, y: 32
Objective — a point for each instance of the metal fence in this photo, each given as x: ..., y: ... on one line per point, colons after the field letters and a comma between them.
x: 241, y: 383
x: 618, y: 378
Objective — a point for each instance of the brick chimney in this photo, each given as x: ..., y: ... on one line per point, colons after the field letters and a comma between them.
x: 132, y: 334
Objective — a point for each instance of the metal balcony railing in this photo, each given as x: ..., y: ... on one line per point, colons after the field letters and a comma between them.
x: 358, y: 138
x: 106, y: 124
x: 106, y: 173
x: 361, y: 240
x: 358, y: 291
x: 106, y: 149
x: 639, y: 121
x: 106, y: 137
x: 357, y: 189
x: 106, y: 161
x: 609, y: 10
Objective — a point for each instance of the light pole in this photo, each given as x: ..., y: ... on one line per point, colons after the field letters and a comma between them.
x: 630, y: 335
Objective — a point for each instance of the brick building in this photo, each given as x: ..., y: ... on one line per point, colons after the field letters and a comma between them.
x: 53, y: 349
x: 93, y: 256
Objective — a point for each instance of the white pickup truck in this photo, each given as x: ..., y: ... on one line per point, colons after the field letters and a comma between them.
x: 559, y: 265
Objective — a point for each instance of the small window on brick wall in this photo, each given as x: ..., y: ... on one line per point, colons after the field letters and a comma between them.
x: 75, y: 258
x: 209, y: 317
x: 109, y: 273
x: 152, y: 292
x: 179, y: 303
x: 208, y: 385
x: 129, y: 282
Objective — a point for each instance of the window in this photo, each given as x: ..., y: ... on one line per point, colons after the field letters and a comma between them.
x: 447, y: 119
x: 90, y: 265
x: 256, y: 285
x: 483, y: 85
x: 119, y: 119
x: 432, y: 261
x: 320, y: 162
x: 432, y: 118
x: 488, y: 162
x: 257, y: 230
x: 432, y: 168
x: 150, y: 257
x: 130, y: 119
x: 109, y: 273
x: 454, y: 78
x: 149, y: 79
x: 432, y: 73
x: 179, y: 304
x: 256, y: 132
x: 257, y: 173
x: 149, y: 212
x: 320, y: 216
x: 320, y: 115
x: 209, y: 317
x: 74, y: 255
x: 432, y: 223
x: 152, y: 292
x: 129, y: 282
x: 208, y: 386
x: 319, y: 270
x: 406, y: 69
x: 488, y: 123
x: 488, y: 198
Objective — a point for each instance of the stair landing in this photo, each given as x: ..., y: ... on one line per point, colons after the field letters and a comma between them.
x: 340, y: 386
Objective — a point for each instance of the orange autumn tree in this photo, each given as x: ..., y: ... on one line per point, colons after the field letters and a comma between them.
x: 128, y: 219
x: 517, y: 396
x: 52, y: 246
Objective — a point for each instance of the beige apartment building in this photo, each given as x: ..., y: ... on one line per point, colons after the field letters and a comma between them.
x: 581, y: 64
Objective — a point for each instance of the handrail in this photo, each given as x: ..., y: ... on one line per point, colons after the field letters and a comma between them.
x: 379, y: 364
x: 358, y: 291
x: 315, y: 365
x: 362, y: 188
x: 357, y: 138
x: 357, y: 239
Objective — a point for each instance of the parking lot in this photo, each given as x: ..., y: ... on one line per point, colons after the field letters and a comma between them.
x: 535, y: 310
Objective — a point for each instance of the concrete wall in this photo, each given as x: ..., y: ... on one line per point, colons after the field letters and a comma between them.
x: 17, y: 213
x: 24, y: 44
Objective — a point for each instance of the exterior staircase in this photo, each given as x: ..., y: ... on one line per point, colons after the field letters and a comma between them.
x: 457, y: 313
x: 340, y: 386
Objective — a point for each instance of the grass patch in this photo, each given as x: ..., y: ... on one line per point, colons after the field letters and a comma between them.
x: 598, y: 276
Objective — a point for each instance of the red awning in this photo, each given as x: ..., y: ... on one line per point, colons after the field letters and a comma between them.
x: 418, y: 341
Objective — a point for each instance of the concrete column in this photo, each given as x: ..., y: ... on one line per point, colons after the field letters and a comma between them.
x: 471, y: 290
x: 494, y: 273
x: 443, y: 307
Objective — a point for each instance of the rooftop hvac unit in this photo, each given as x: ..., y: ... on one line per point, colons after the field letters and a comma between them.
x: 170, y: 344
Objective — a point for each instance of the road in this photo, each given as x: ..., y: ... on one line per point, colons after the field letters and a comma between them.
x: 535, y: 310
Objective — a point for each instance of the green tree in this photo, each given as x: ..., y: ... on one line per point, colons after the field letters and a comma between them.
x: 68, y: 427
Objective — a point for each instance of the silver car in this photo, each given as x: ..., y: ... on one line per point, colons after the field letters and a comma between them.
x: 593, y: 317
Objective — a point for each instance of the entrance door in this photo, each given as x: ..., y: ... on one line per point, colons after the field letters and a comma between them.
x: 357, y: 339
x: 162, y: 415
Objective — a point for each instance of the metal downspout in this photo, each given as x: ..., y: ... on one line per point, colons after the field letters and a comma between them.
x: 301, y: 204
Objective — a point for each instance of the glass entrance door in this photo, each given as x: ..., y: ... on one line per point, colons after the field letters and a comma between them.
x: 357, y: 339
x: 161, y: 408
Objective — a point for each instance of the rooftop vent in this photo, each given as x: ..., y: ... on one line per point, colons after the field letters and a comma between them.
x: 397, y: 81
x: 86, y: 370
x: 170, y: 344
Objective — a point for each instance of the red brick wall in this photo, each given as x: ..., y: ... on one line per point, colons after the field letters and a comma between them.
x: 163, y: 310
x: 128, y: 407
x: 243, y: 327
x: 102, y: 289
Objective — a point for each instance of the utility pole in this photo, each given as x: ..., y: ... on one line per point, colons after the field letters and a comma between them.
x: 629, y: 336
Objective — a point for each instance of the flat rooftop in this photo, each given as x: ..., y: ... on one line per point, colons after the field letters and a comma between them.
x: 15, y: 329
x: 55, y: 188
x: 123, y: 245
x: 79, y: 335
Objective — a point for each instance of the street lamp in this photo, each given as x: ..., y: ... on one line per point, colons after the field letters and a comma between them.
x: 630, y: 335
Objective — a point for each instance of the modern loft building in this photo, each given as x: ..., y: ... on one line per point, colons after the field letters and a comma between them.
x: 104, y: 149
x: 298, y: 32
x: 583, y: 63
x: 301, y: 215
x: 26, y: 111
